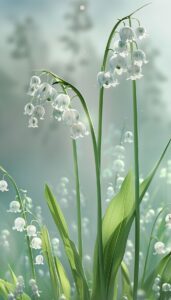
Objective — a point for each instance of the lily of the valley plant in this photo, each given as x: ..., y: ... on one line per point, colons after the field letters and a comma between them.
x: 124, y: 59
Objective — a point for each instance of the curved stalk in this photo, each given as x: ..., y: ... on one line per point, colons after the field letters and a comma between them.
x: 103, y: 68
x: 23, y: 213
x: 74, y: 146
x: 149, y: 245
x: 98, y: 183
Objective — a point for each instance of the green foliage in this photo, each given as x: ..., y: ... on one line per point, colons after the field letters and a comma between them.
x: 126, y: 283
x: 70, y: 249
x: 162, y: 269
x: 46, y: 246
x: 64, y: 282
x: 117, y: 223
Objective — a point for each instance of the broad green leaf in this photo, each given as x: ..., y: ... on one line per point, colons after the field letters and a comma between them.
x: 70, y: 249
x: 47, y: 251
x: 126, y: 283
x: 64, y: 282
x: 117, y: 223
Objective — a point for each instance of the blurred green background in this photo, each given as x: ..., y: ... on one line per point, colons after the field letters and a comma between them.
x: 60, y: 36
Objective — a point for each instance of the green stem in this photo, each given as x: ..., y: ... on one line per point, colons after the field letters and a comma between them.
x: 137, y: 207
x: 77, y: 183
x: 74, y: 146
x: 24, y: 217
x: 98, y: 183
x: 136, y: 184
x: 149, y: 245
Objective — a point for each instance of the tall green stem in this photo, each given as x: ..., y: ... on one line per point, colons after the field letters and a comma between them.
x: 23, y: 213
x: 137, y: 207
x: 136, y: 184
x: 74, y: 146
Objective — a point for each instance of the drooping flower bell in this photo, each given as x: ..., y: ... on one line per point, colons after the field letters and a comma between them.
x: 33, y: 122
x: 62, y: 102
x: 3, y: 186
x: 43, y: 92
x: 19, y: 224
x: 36, y: 243
x: 159, y: 248
x: 35, y: 81
x: 118, y: 64
x: 126, y: 34
x: 78, y: 130
x: 134, y: 72
x: 70, y: 116
x: 141, y: 32
x: 139, y: 57
x: 14, y: 207
x: 106, y: 80
x: 39, y: 112
x: 28, y: 109
x: 31, y: 230
x: 121, y: 48
x: 57, y: 114
x: 39, y: 260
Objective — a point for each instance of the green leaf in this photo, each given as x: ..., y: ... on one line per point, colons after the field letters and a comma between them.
x: 126, y: 283
x: 163, y: 269
x: 70, y: 249
x: 64, y: 282
x: 7, y: 287
x: 117, y: 224
x: 47, y: 251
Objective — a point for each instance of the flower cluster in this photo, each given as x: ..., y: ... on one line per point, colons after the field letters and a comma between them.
x: 43, y: 93
x: 20, y: 221
x: 127, y: 59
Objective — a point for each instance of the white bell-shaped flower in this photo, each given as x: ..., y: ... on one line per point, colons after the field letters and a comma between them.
x: 134, y: 72
x: 141, y: 32
x: 32, y: 90
x: 78, y: 130
x: 36, y: 243
x: 126, y: 34
x: 57, y: 114
x: 39, y: 260
x: 119, y: 151
x: 106, y: 80
x: 118, y: 166
x: 70, y: 116
x: 43, y: 92
x: 139, y: 57
x: 121, y: 48
x: 118, y: 64
x: 159, y: 248
x: 3, y: 186
x: 128, y: 137
x: 62, y: 102
x: 35, y: 81
x: 28, y: 109
x: 39, y: 112
x: 14, y: 207
x: 19, y: 224
x: 31, y: 230
x: 33, y: 122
